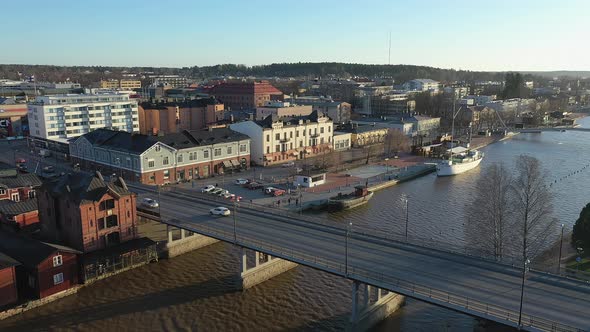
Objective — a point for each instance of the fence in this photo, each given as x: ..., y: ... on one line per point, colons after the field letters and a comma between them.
x: 105, y: 266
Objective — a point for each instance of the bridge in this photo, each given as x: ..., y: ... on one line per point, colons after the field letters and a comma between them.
x: 543, y: 129
x: 454, y: 280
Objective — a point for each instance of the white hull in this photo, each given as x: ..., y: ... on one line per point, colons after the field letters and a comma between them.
x: 446, y: 169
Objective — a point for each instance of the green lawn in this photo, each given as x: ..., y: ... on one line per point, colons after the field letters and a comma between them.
x: 584, y: 265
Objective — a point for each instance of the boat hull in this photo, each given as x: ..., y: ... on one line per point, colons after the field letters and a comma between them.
x: 444, y: 169
x: 345, y: 204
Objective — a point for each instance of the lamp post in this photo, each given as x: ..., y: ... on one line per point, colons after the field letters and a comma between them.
x: 118, y: 161
x: 159, y: 203
x: 405, y: 200
x: 234, y: 215
x: 348, y: 230
x: 560, y: 246
x: 524, y: 271
x: 300, y: 199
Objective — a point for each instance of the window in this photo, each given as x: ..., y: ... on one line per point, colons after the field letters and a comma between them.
x: 112, y: 221
x: 58, y: 278
x: 179, y: 159
x: 277, y: 148
x: 206, y: 154
x: 165, y: 161
x: 217, y: 152
x: 321, y: 140
x: 290, y: 134
x: 268, y: 149
x: 107, y: 205
x: 151, y: 163
x: 15, y: 197
x: 32, y: 194
x: 157, y: 148
x: 2, y: 191
x: 57, y: 260
x: 321, y: 130
x: 166, y: 174
x: 277, y: 136
x: 329, y: 129
x: 242, y: 147
x: 268, y: 138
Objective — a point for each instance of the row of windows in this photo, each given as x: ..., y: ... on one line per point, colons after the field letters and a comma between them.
x: 283, y: 147
x: 314, y: 132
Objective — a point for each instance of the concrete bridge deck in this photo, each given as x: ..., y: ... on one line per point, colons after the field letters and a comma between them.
x: 466, y: 284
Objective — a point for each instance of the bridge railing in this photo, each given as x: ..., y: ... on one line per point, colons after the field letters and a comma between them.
x: 389, y: 282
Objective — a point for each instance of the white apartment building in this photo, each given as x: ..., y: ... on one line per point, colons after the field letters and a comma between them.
x: 276, y: 140
x: 422, y: 85
x: 61, y: 117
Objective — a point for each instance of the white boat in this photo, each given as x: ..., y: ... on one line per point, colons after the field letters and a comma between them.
x: 460, y: 163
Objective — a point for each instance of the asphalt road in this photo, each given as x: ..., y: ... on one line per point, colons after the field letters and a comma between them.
x: 548, y: 297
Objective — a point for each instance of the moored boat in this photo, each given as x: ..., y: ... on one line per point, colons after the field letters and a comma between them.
x: 460, y: 163
x: 360, y: 196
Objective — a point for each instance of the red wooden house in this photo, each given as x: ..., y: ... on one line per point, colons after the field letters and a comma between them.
x: 45, y: 268
x: 23, y: 214
x: 8, y: 292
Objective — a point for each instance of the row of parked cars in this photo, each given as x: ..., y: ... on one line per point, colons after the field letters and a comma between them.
x: 219, y: 192
x: 252, y: 185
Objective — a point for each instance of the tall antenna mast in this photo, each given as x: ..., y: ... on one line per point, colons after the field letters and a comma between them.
x: 389, y: 55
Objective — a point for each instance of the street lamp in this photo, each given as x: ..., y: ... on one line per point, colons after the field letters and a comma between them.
x: 235, y: 234
x: 159, y: 203
x: 300, y: 199
x: 560, y: 246
x: 348, y: 230
x: 525, y: 269
x: 405, y: 200
x: 118, y: 161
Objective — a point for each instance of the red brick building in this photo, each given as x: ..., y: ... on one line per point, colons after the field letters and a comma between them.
x: 45, y: 269
x: 23, y: 214
x: 245, y: 95
x: 17, y: 186
x: 86, y: 212
x: 8, y: 288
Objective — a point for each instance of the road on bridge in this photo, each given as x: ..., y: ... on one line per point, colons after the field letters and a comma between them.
x: 546, y: 296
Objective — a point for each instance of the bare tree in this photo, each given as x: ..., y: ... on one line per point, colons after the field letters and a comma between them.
x: 396, y: 141
x: 532, y: 207
x: 489, y: 213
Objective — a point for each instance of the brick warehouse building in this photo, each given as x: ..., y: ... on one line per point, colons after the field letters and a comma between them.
x: 86, y: 212
x: 8, y: 288
x: 176, y: 157
x: 245, y: 95
x: 16, y: 186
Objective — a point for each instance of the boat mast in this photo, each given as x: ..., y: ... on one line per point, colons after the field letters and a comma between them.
x: 453, y: 126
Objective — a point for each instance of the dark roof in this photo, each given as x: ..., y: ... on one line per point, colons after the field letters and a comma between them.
x: 28, y: 252
x: 124, y: 141
x: 358, y: 128
x: 7, y: 261
x: 85, y: 188
x: 269, y: 120
x: 20, y: 180
x: 11, y: 208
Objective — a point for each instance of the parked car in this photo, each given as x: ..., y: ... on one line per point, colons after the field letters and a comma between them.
x: 149, y: 203
x: 49, y: 169
x: 220, y: 211
x: 222, y: 192
x: 228, y: 195
x: 21, y: 160
x: 274, y: 191
x: 289, y: 164
x: 207, y: 188
x: 22, y: 168
x: 216, y: 191
x: 254, y: 185
x: 241, y: 182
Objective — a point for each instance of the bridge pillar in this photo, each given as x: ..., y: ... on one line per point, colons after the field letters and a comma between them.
x: 373, y: 308
x: 185, y: 243
x: 262, y: 268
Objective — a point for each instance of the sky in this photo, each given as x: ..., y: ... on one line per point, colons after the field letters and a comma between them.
x: 490, y: 35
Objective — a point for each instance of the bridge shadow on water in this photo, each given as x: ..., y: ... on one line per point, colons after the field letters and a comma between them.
x: 107, y: 310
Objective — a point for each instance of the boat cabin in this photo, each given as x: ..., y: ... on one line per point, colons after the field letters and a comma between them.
x: 360, y: 191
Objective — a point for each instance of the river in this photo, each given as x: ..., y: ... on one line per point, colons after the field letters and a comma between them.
x: 196, y: 291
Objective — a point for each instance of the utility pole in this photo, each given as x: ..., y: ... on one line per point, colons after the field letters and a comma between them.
x: 348, y: 229
x: 235, y: 234
x: 407, y: 218
x: 560, y: 246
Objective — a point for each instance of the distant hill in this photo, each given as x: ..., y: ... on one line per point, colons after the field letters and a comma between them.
x: 560, y: 73
x: 308, y: 70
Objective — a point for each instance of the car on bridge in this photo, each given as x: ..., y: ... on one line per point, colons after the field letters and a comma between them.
x: 288, y: 164
x: 149, y: 203
x: 216, y: 191
x: 274, y: 191
x: 21, y: 160
x: 254, y: 185
x: 207, y: 188
x: 222, y: 192
x: 220, y: 211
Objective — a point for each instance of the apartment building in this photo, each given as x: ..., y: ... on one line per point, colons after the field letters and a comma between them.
x: 277, y: 140
x: 245, y: 95
x: 170, y: 158
x: 281, y: 109
x: 173, y: 81
x: 338, y: 111
x: 422, y: 85
x: 61, y: 117
x: 120, y: 84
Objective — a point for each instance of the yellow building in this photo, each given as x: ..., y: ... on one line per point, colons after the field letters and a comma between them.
x: 120, y: 84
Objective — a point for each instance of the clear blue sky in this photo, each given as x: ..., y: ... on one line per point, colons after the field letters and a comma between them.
x: 460, y: 34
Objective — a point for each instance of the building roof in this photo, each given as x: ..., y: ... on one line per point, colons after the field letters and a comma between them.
x: 19, y: 180
x: 424, y: 80
x: 273, y: 118
x: 27, y: 251
x: 358, y: 128
x: 244, y: 88
x: 12, y: 208
x: 84, y: 188
x: 190, y: 103
x: 417, y: 118
x: 7, y: 261
x: 137, y: 143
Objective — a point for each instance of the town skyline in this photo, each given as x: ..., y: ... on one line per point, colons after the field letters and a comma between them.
x: 526, y: 36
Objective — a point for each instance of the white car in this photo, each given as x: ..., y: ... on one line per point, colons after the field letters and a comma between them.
x: 220, y: 211
x: 215, y: 191
x: 241, y: 182
x: 149, y: 203
x: 228, y: 195
x: 289, y: 164
x: 207, y: 188
x: 223, y: 192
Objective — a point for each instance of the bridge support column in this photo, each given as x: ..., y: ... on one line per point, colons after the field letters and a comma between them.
x: 376, y: 306
x: 185, y: 242
x: 261, y: 269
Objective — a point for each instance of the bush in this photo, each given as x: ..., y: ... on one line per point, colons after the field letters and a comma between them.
x: 581, y: 233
